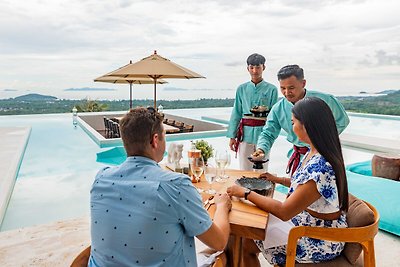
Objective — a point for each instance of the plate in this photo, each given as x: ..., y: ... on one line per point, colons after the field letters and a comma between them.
x: 258, y: 185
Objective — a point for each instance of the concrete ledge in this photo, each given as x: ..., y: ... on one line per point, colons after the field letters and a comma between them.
x: 92, y: 123
x: 374, y: 144
x: 13, y: 142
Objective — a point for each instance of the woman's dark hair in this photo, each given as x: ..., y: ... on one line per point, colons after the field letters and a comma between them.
x: 318, y: 120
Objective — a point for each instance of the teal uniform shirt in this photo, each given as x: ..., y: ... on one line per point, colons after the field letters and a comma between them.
x: 249, y: 95
x: 280, y: 117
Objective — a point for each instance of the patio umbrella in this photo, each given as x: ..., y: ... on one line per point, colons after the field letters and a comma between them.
x: 154, y: 67
x: 116, y: 79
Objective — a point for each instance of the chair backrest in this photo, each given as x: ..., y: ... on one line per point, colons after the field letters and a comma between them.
x: 179, y: 124
x: 106, y: 128
x: 363, y: 221
x: 117, y: 133
x: 188, y: 128
x: 170, y: 122
x: 82, y: 259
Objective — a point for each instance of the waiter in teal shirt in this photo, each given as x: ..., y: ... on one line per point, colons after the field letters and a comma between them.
x: 243, y: 133
x: 292, y: 85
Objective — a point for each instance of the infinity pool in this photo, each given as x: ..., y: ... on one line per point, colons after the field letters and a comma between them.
x: 60, y: 163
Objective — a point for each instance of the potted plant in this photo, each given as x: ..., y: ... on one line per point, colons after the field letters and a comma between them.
x: 205, y: 148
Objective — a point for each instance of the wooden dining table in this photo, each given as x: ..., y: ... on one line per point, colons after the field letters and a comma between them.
x: 246, y: 220
x: 168, y: 128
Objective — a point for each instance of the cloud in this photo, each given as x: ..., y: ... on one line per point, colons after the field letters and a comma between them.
x: 10, y: 90
x: 235, y: 63
x: 89, y: 89
x: 76, y: 41
x: 384, y: 59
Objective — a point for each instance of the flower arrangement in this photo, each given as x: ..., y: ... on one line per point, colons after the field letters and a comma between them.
x: 206, y: 149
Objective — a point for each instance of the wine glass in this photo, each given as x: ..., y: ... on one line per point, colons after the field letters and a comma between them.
x: 228, y: 162
x: 197, y: 167
x: 221, y: 159
x: 210, y: 177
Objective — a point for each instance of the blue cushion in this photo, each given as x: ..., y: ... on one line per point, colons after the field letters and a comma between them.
x: 382, y: 193
x: 363, y: 168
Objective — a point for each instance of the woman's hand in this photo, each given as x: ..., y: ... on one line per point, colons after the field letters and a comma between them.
x: 269, y: 177
x: 223, y: 200
x: 235, y: 190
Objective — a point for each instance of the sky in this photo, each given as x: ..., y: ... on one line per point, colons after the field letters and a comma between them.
x: 55, y: 47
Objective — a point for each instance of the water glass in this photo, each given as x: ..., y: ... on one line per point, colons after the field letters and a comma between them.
x: 210, y: 177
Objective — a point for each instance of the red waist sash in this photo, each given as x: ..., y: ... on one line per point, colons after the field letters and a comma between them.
x: 246, y: 122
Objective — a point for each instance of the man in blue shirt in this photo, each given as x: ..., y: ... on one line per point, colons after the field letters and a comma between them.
x: 142, y: 215
x: 292, y: 85
x: 243, y: 131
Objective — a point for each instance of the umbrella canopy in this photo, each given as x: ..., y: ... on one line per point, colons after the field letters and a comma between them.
x: 116, y: 79
x: 154, y: 67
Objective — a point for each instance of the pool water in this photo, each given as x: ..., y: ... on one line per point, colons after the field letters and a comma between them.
x: 59, y: 164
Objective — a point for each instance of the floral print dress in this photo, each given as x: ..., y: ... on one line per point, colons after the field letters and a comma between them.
x: 309, y: 249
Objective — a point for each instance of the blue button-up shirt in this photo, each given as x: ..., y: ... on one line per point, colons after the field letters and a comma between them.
x: 142, y: 215
x: 280, y: 117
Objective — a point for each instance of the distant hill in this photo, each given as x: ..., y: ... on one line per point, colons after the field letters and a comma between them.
x: 89, y: 89
x: 387, y: 91
x: 35, y: 97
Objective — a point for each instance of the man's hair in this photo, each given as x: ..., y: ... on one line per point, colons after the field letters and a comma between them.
x: 255, y: 60
x: 291, y: 70
x: 318, y: 120
x: 138, y: 127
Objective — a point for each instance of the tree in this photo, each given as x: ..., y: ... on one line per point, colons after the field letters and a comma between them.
x: 91, y: 106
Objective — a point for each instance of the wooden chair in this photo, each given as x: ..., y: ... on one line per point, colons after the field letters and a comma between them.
x: 106, y: 127
x: 116, y: 131
x: 363, y: 221
x: 170, y: 122
x: 82, y: 259
x: 188, y: 128
x: 111, y: 131
x: 180, y: 125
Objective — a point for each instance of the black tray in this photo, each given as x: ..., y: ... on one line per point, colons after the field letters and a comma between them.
x: 258, y: 185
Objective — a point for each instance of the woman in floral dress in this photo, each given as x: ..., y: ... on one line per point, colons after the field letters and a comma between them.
x: 318, y: 193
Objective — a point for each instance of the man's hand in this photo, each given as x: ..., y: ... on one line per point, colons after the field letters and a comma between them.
x: 223, y: 200
x: 258, y: 155
x: 232, y: 144
x: 235, y: 190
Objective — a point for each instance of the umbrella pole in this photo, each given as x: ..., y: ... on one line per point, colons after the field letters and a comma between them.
x: 130, y: 96
x: 155, y: 101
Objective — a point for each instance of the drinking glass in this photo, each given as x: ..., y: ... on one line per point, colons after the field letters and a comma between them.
x: 210, y: 177
x: 228, y: 162
x: 197, y: 167
x: 222, y: 157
